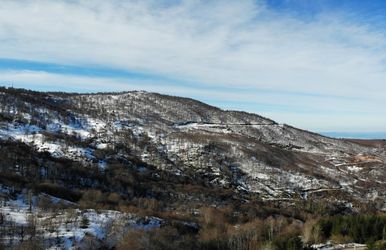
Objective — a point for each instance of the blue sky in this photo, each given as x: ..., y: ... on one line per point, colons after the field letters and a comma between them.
x: 319, y: 65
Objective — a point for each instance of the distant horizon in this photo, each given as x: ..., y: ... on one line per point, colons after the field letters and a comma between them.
x: 318, y: 65
x: 355, y: 135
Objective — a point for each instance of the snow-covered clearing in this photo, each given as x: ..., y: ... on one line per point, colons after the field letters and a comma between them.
x: 67, y: 228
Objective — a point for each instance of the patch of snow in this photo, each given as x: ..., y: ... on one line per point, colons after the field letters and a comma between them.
x: 354, y: 168
x: 102, y: 145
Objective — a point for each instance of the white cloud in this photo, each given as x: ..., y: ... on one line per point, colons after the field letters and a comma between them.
x: 218, y: 43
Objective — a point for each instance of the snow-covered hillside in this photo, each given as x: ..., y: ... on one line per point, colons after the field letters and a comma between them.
x: 180, y: 135
x: 163, y: 138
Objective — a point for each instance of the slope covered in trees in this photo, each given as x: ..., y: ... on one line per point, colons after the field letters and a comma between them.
x: 179, y: 173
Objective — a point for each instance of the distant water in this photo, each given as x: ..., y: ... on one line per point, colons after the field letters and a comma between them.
x: 356, y: 135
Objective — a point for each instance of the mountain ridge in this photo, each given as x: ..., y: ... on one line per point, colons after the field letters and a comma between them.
x: 122, y: 151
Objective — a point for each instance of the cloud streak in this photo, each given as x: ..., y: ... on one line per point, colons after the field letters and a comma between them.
x: 222, y: 45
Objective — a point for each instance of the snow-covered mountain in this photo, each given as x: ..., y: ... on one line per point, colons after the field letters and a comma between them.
x: 140, y: 144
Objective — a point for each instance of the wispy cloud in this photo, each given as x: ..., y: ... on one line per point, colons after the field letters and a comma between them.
x: 335, y: 61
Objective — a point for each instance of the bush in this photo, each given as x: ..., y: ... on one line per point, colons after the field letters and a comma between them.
x: 85, y: 222
x: 59, y: 191
x: 288, y: 243
x: 357, y: 228
x: 156, y: 239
